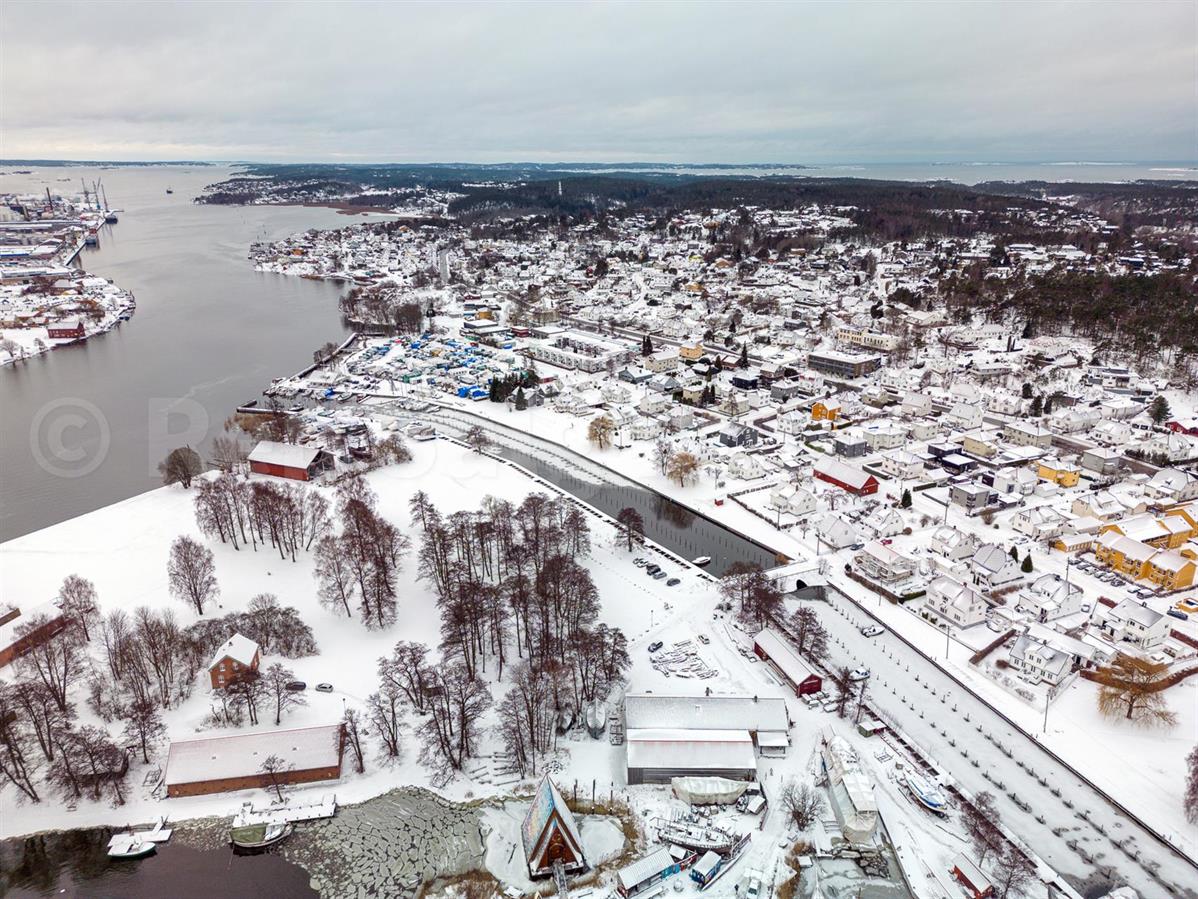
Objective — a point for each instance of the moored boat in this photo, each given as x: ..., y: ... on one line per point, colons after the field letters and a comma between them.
x: 253, y: 837
x: 926, y: 793
x: 130, y: 845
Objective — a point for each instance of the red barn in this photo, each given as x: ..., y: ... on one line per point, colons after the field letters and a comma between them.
x: 21, y: 632
x: 67, y: 329
x: 976, y: 884
x: 846, y: 477
x: 771, y: 646
x: 285, y: 460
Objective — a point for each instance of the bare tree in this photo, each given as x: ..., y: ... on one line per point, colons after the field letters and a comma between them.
x: 245, y: 692
x: 600, y: 431
x: 408, y: 669
x: 18, y: 764
x: 143, y: 725
x: 192, y: 573
x: 1191, y: 797
x: 228, y: 453
x: 1012, y: 873
x: 809, y: 634
x: 632, y: 527
x: 477, y: 439
x: 842, y: 680
x: 181, y: 466
x: 275, y: 680
x: 981, y: 821
x: 803, y: 803
x: 57, y: 662
x: 682, y: 467
x: 1133, y: 687
x: 662, y: 451
x: 351, y: 722
x: 78, y: 600
x: 275, y: 770
x: 384, y: 709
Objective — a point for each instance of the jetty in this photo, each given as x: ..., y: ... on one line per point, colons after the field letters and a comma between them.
x: 285, y: 813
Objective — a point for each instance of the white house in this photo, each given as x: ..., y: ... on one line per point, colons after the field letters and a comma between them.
x: 836, y: 532
x: 992, y: 567
x: 881, y: 563
x: 965, y: 416
x: 792, y: 500
x: 888, y: 524
x: 952, y: 543
x: 1048, y: 597
x: 959, y: 604
x: 916, y: 405
x: 1134, y: 623
x: 1038, y: 662
x: 745, y: 467
x: 1039, y: 522
x: 901, y: 464
x: 1015, y: 481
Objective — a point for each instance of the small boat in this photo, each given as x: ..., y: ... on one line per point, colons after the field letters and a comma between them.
x: 130, y: 845
x: 169, y: 191
x: 111, y: 218
x: 252, y: 837
x: 701, y: 561
x: 926, y: 793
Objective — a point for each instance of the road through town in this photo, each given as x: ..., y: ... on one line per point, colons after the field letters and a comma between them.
x: 1055, y: 813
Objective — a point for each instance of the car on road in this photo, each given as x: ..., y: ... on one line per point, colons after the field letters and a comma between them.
x: 871, y: 630
x: 704, y: 639
x: 1177, y: 613
x: 638, y: 562
x: 653, y: 568
x: 859, y: 674
x: 296, y: 686
x: 655, y: 645
x: 659, y: 574
x: 673, y: 582
x: 324, y: 688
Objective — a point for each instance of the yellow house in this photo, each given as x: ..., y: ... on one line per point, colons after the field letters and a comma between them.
x: 1123, y: 554
x: 825, y: 410
x: 1058, y: 473
x: 979, y: 446
x: 691, y: 352
x: 1171, y: 570
x: 1168, y: 532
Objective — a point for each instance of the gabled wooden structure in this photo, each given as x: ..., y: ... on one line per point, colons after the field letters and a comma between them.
x: 551, y: 834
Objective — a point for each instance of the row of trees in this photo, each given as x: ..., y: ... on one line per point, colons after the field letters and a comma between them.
x: 289, y: 517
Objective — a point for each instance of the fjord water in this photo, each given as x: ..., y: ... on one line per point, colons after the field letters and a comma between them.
x: 209, y: 333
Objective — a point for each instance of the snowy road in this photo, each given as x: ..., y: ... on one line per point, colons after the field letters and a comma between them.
x: 1067, y: 822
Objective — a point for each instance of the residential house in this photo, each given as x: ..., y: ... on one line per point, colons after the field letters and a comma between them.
x: 825, y: 410
x: 952, y: 543
x: 1057, y: 472
x: 956, y: 603
x: 233, y: 659
x: 1049, y: 597
x: 1027, y: 433
x: 847, y: 477
x: 793, y: 500
x: 900, y: 464
x: 916, y: 405
x: 1134, y: 623
x: 887, y: 524
x: 662, y: 361
x: 835, y: 532
x: 1038, y: 662
x: 965, y: 416
x: 850, y: 444
x: 879, y: 562
x: 745, y: 467
x: 736, y: 434
x: 970, y: 496
x: 993, y: 568
x: 1015, y: 481
x: 1039, y: 522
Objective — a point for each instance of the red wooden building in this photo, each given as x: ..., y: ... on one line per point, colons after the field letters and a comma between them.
x: 21, y: 632
x: 67, y: 329
x: 233, y: 658
x: 977, y: 885
x: 772, y: 646
x: 285, y: 460
x: 846, y: 477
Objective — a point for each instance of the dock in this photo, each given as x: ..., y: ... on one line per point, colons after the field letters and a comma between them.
x: 285, y: 813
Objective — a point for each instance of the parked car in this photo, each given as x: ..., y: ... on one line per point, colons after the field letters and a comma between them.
x: 673, y: 582
x: 871, y: 630
x: 1177, y: 613
x: 655, y: 645
x: 704, y: 639
x: 859, y: 674
x: 296, y: 686
x: 324, y: 688
x: 638, y: 562
x: 659, y: 574
x: 653, y: 568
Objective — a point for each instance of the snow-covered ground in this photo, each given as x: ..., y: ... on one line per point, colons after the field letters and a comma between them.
x: 123, y: 549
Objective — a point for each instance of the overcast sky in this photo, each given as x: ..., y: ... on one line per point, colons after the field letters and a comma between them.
x: 694, y: 82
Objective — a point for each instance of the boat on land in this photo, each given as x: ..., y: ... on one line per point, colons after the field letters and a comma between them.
x: 701, y: 561
x: 130, y: 845
x: 698, y: 837
x: 255, y: 837
x: 926, y: 793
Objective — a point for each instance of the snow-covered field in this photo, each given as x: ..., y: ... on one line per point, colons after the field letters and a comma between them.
x: 123, y: 549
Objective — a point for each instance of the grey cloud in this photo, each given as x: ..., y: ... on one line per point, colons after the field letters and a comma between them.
x: 800, y: 82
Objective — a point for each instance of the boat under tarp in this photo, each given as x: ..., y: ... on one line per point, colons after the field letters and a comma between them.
x: 699, y: 837
x: 708, y: 790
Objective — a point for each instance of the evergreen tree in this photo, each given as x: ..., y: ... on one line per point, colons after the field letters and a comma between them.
x: 1159, y: 410
x: 1026, y: 567
x: 1038, y: 406
x: 744, y: 356
x: 1027, y: 391
x: 906, y: 500
x: 1014, y: 554
x: 521, y: 401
